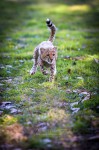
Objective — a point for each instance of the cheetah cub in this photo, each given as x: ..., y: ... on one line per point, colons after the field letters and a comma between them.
x: 45, y: 54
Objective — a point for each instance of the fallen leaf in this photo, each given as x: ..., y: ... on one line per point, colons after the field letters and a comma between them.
x: 78, y: 58
x: 15, y: 111
x: 96, y: 60
x: 75, y: 110
x: 81, y: 78
x: 68, y: 91
x: 76, y: 91
x: 4, y: 104
x: 9, y: 80
x: 1, y: 84
x: 87, y: 97
x: 72, y: 104
x: 66, y: 57
x: 62, y: 104
x: 9, y: 66
x: 45, y: 141
x: 66, y: 78
x: 21, y: 61
x: 2, y: 66
x: 96, y: 137
x: 78, y: 49
x: 84, y: 46
x: 43, y: 126
x: 85, y: 93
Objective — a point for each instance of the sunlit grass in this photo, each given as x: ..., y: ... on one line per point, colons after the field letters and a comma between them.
x: 83, y: 8
x: 39, y: 100
x: 61, y: 8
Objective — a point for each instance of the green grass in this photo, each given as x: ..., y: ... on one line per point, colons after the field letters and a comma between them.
x: 22, y: 27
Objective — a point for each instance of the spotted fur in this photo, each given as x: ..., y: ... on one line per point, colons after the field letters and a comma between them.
x: 45, y: 54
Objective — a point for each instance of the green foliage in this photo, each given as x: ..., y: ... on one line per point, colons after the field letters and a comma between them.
x: 92, y: 103
x: 81, y: 127
x: 8, y: 120
x: 22, y: 27
x: 84, y: 121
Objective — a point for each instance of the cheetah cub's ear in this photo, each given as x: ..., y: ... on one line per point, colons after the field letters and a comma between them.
x: 42, y: 50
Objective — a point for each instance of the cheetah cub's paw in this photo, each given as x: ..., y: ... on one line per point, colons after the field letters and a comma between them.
x: 32, y: 72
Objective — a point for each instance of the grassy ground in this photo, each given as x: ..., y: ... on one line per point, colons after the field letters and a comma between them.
x: 47, y: 116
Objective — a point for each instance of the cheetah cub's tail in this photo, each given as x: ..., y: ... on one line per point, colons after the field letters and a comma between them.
x: 52, y: 28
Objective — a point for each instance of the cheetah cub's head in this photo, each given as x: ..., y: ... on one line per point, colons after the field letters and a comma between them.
x: 48, y: 54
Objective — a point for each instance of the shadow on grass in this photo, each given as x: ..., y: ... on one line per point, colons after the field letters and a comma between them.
x: 12, y: 13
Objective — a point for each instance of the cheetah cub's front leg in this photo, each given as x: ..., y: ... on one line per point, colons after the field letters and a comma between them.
x: 42, y: 69
x: 33, y: 69
x: 53, y: 72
